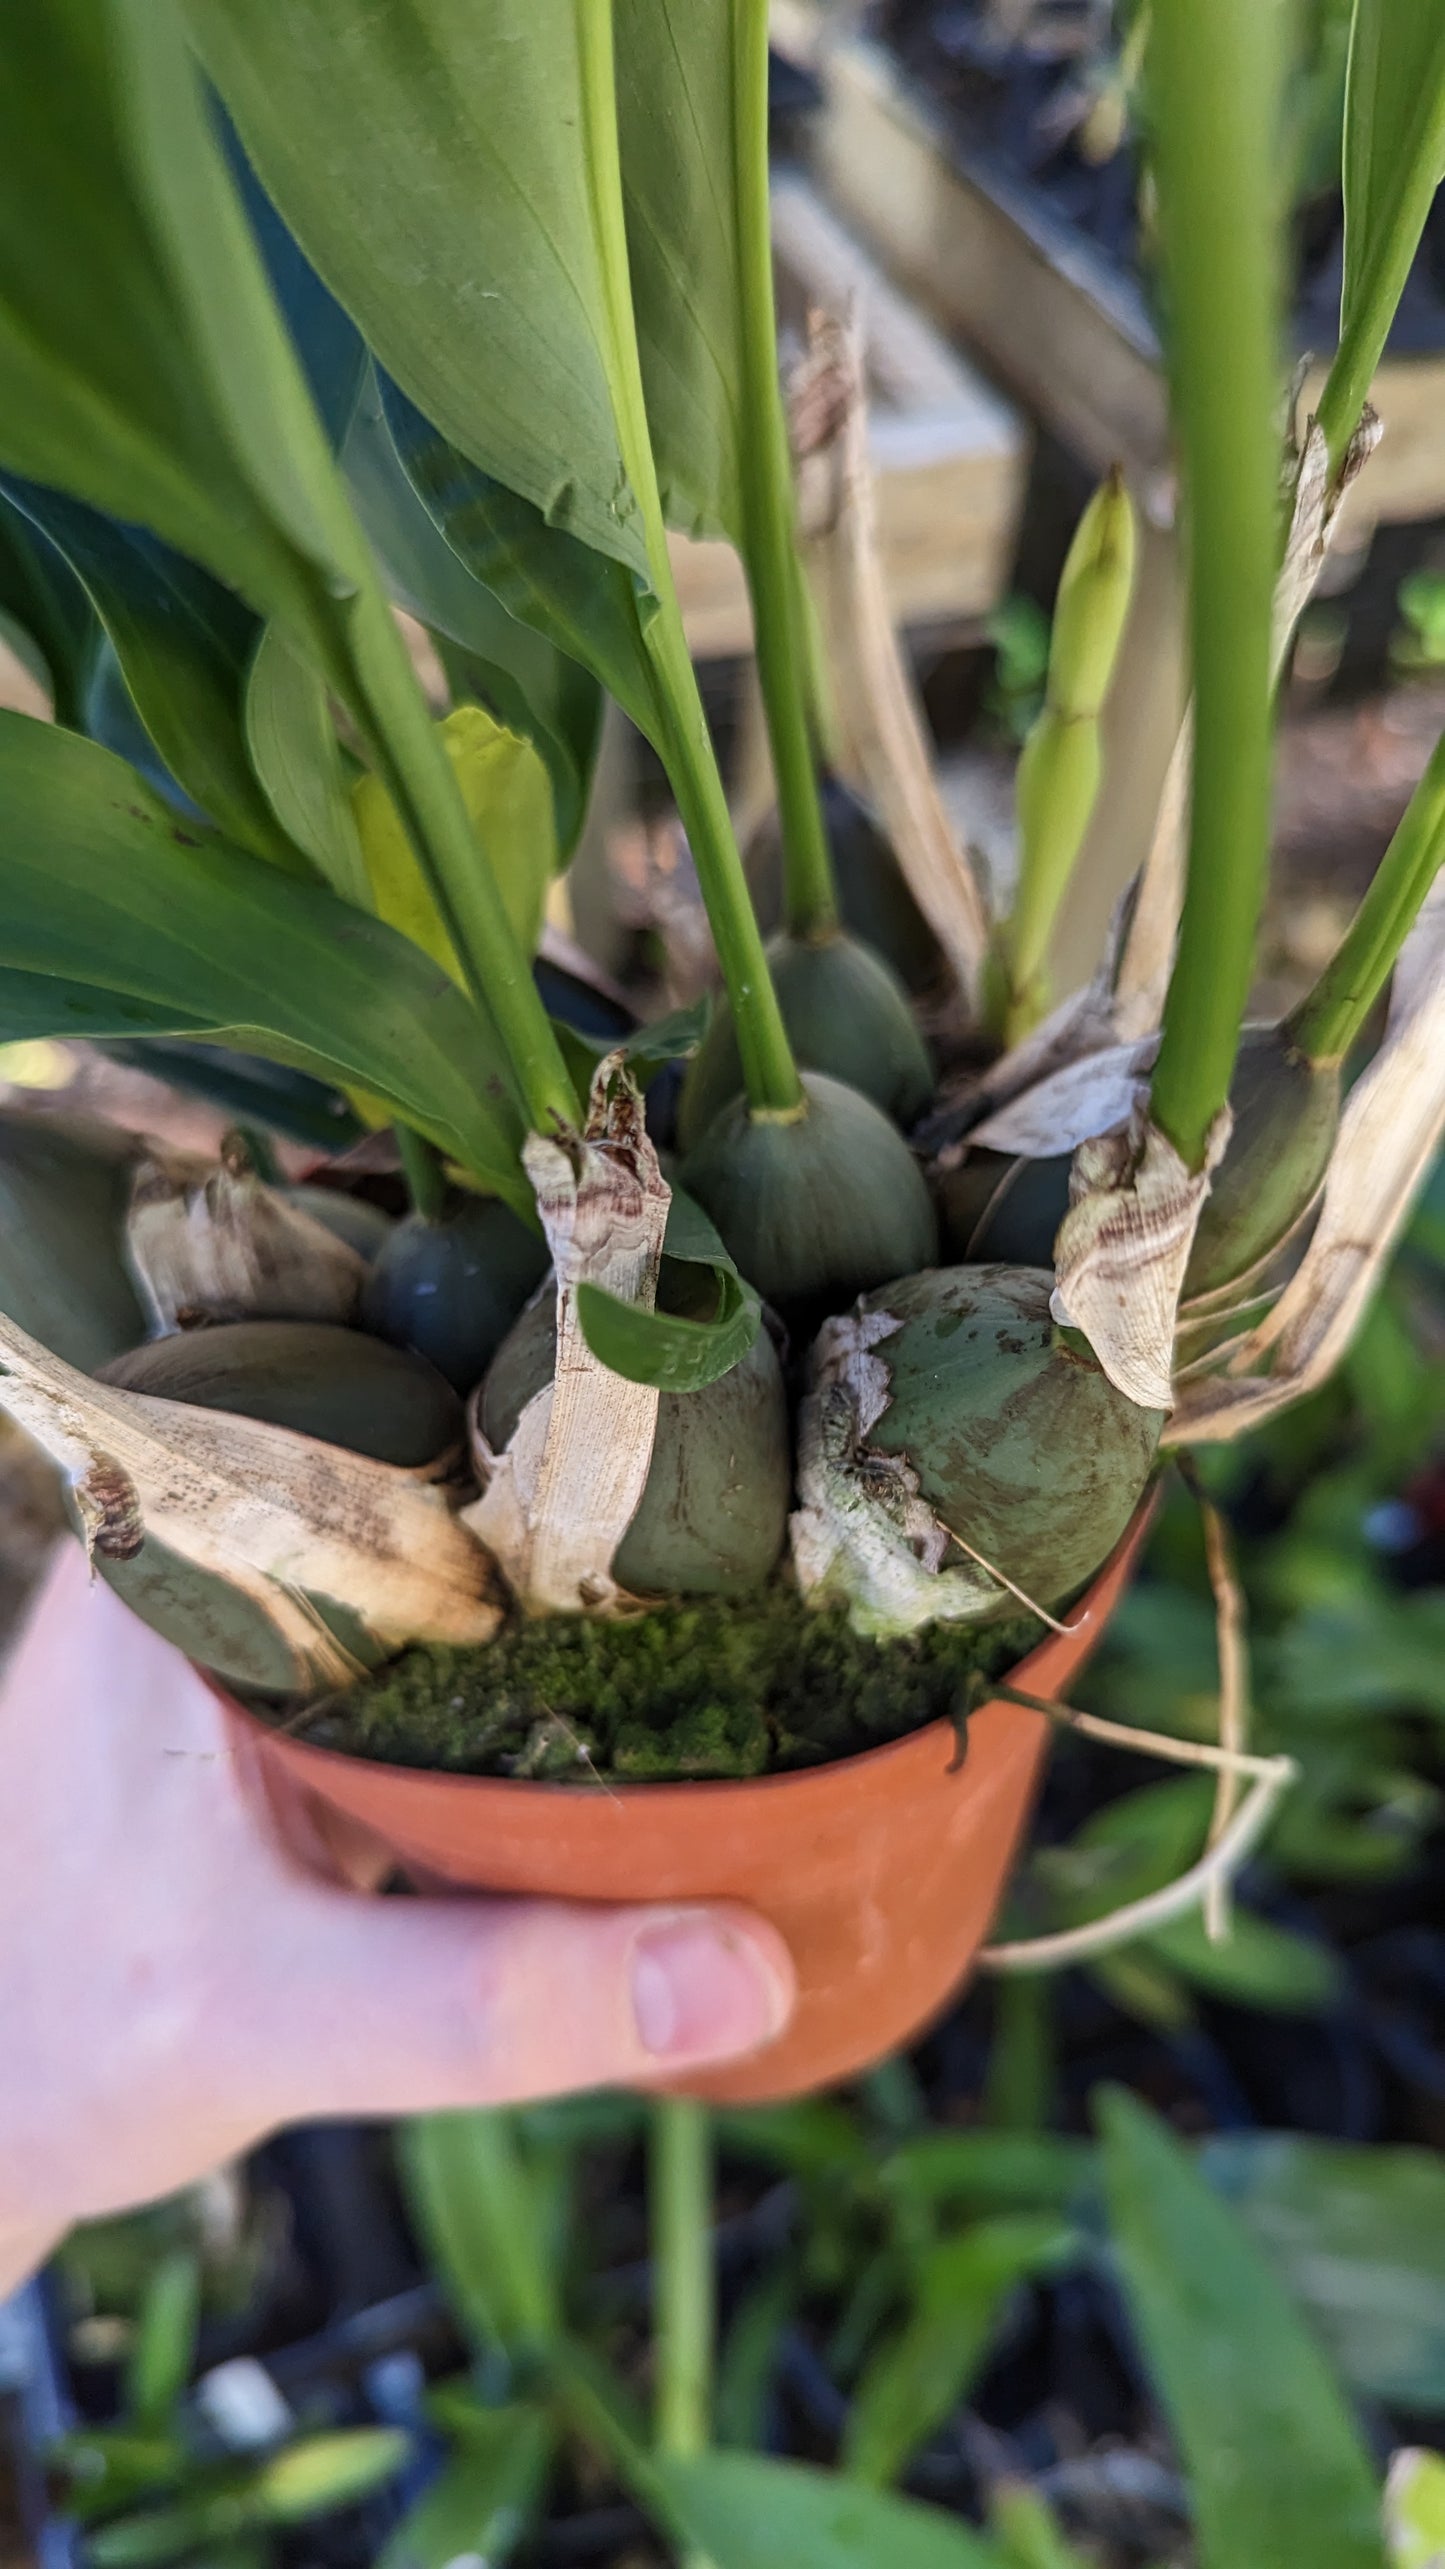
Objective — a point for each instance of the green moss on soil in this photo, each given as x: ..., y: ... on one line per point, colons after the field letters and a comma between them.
x: 704, y: 1688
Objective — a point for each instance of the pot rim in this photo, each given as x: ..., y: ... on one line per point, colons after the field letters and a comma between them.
x: 1088, y: 1627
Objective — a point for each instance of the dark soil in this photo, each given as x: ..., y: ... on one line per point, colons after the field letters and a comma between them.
x: 706, y: 1688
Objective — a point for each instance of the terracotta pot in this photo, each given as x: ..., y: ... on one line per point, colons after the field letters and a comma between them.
x: 883, y: 1872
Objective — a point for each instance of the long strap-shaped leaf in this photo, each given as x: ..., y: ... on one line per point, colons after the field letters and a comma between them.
x: 147, y: 370
x: 1277, y: 2471
x: 184, y: 644
x: 484, y: 301
x: 102, y: 889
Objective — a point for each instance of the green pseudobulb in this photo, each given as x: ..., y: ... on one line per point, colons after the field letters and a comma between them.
x: 363, y: 1226
x: 309, y: 1375
x: 874, y: 900
x: 64, y: 1190
x: 1286, y: 1115
x: 1021, y: 1443
x: 814, y: 1209
x: 714, y: 1512
x: 846, y: 1012
x: 451, y: 1288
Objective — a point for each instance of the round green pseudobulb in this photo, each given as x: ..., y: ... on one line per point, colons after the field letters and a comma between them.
x: 1003, y: 1211
x: 1286, y: 1112
x: 64, y: 1191
x: 452, y: 1288
x: 714, y: 1512
x: 1021, y: 1443
x: 362, y: 1225
x: 309, y: 1375
x: 874, y: 900
x: 814, y: 1209
x: 846, y: 1012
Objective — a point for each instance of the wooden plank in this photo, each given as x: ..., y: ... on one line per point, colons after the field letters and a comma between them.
x: 987, y: 259
x: 1066, y: 332
x: 950, y: 453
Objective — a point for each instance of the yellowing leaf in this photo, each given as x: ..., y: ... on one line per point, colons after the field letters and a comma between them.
x: 509, y: 799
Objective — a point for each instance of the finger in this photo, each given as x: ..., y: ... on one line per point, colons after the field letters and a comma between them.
x: 406, y: 2006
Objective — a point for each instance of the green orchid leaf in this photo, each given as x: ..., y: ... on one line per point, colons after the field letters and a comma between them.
x: 46, y: 1003
x: 505, y: 788
x: 163, y: 2354
x: 331, y: 349
x: 1358, y: 2236
x: 487, y: 2499
x: 1025, y: 2526
x: 1415, y: 2510
x: 319, y: 2473
x: 147, y: 370
x: 681, y: 141
x: 1394, y: 147
x: 1258, y: 1964
x: 742, y: 2511
x: 297, y: 761
x: 64, y: 1195
x: 591, y: 607
x: 1276, y: 2468
x: 184, y: 644
x: 489, y: 657
x: 105, y: 892
x: 918, y: 2377
x: 989, y: 2171
x: 661, y: 1349
x: 664, y: 1349
x: 472, y: 2191
x: 647, y: 1050
x: 250, y: 1090
x: 486, y: 301
x: 45, y: 602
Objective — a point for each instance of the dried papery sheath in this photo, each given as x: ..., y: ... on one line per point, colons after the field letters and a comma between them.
x: 208, y: 1240
x: 558, y: 1502
x: 1389, y: 1133
x: 828, y: 422
x: 1071, y: 1105
x: 1123, y: 1248
x: 1147, y: 953
x: 281, y: 1562
x: 863, y: 1533
x: 1314, y: 508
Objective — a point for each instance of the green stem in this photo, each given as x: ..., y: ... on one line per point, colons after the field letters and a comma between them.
x: 1215, y: 73
x: 1329, y: 1020
x: 421, y: 1166
x: 684, y: 2314
x: 382, y: 688
x: 769, y: 1071
x: 1374, y: 296
x: 766, y: 471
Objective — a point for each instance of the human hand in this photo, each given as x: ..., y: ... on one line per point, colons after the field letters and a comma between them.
x: 174, y: 1982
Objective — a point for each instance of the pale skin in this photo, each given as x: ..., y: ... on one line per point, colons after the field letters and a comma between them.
x: 177, y: 1980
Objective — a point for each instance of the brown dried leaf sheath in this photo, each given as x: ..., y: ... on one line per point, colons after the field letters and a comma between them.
x: 1123, y: 1247
x: 559, y: 1501
x: 1389, y: 1133
x: 214, y: 1243
x: 279, y: 1517
x: 828, y: 415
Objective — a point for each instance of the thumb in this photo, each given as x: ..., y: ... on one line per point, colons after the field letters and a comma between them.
x: 408, y: 2006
